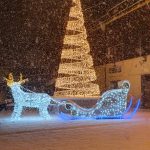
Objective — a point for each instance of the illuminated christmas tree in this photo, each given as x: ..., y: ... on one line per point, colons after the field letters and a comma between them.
x: 76, y: 74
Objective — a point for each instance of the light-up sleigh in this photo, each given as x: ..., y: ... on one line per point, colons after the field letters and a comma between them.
x: 111, y: 105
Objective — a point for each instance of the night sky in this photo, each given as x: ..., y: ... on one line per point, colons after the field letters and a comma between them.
x: 32, y: 32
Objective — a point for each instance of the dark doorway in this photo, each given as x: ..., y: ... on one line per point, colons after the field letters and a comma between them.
x: 145, y: 85
x: 114, y: 84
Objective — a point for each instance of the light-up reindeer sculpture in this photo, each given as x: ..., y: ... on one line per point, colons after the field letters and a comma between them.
x: 28, y: 99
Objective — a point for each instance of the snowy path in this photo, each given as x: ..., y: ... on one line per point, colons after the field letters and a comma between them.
x: 76, y: 134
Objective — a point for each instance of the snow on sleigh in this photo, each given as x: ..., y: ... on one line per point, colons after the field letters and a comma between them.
x: 111, y: 105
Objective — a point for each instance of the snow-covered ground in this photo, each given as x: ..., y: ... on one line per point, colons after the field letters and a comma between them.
x: 34, y: 133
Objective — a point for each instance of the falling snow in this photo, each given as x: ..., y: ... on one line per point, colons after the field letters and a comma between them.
x: 32, y: 32
x: 31, y: 42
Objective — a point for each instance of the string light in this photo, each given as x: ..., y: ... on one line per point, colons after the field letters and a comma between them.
x: 28, y: 99
x: 112, y: 104
x: 76, y: 72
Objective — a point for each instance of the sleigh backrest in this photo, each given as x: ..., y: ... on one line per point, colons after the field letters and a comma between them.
x: 116, y: 98
x: 122, y: 91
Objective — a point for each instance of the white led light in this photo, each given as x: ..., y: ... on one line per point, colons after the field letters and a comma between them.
x: 112, y: 103
x: 79, y: 73
x: 28, y: 99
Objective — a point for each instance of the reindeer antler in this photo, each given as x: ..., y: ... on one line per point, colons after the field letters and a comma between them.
x: 21, y: 81
x: 10, y: 79
x: 21, y: 77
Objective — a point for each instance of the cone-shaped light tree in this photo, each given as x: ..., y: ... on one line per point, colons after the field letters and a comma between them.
x: 76, y: 74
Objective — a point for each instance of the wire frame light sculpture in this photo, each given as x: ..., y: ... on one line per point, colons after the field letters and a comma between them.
x: 28, y: 99
x: 76, y: 74
x: 112, y: 104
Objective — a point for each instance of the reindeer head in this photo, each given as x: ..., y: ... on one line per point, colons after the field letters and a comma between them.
x: 10, y: 81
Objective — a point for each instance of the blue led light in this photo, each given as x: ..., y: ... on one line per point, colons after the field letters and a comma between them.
x: 123, y: 116
x: 129, y: 106
x: 134, y: 111
x: 112, y: 104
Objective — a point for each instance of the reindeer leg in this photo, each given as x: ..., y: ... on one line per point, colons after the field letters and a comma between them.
x: 44, y: 112
x: 16, y: 112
